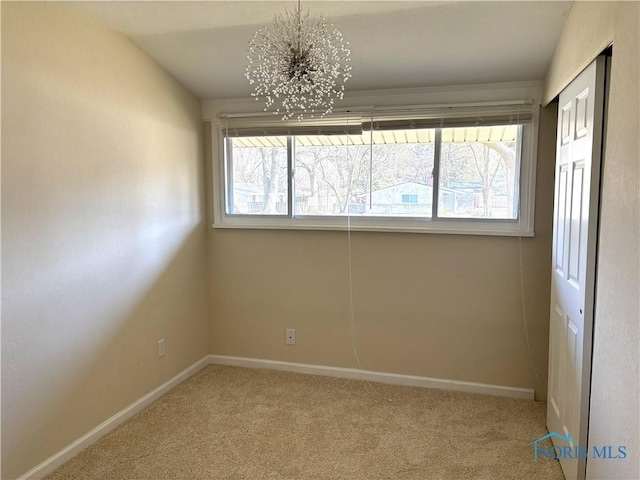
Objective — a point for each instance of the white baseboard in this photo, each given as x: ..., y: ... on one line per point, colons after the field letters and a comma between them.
x: 391, y: 378
x: 64, y: 455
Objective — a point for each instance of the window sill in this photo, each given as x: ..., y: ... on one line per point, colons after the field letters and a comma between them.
x: 504, y: 228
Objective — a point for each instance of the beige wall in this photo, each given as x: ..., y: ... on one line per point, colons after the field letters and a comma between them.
x: 615, y: 391
x: 444, y: 306
x: 587, y: 32
x: 103, y: 237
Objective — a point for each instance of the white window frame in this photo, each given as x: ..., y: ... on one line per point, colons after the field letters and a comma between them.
x: 522, y: 226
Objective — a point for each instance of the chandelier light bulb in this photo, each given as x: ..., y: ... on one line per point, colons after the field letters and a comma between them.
x: 299, y: 66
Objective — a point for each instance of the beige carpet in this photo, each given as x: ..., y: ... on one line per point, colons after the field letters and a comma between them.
x: 236, y: 423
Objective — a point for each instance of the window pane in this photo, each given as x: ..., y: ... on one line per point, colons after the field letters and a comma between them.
x: 479, y: 172
x: 402, y: 183
x: 332, y: 174
x: 258, y: 175
x: 394, y: 178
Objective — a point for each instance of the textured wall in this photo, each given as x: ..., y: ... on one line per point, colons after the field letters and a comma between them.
x: 103, y: 236
x: 444, y: 306
x: 615, y: 392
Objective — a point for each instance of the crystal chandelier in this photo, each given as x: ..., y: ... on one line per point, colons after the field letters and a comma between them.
x: 299, y: 66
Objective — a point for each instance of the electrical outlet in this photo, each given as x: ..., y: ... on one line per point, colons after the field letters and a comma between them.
x: 290, y: 338
x: 161, y: 350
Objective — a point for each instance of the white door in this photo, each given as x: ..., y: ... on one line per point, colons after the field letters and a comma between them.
x: 575, y: 218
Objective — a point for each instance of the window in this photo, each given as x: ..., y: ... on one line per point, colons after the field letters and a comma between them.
x: 260, y: 176
x: 455, y: 170
x: 479, y: 172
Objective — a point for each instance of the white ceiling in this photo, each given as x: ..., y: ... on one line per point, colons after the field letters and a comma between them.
x: 394, y: 44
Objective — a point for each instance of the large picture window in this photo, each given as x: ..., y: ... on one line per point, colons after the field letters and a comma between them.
x: 450, y: 171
